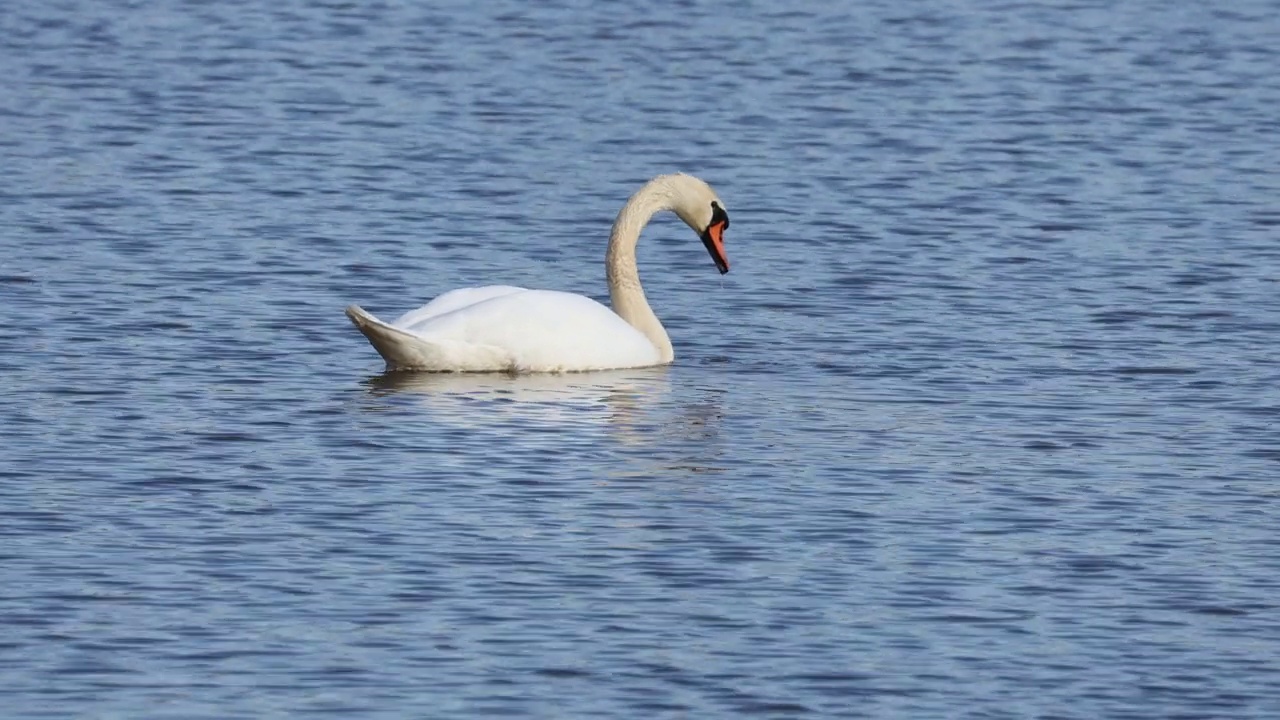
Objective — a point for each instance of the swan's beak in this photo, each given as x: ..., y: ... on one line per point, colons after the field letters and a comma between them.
x: 713, y: 238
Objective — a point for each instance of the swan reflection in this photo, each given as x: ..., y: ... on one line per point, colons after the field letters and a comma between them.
x: 617, y: 398
x: 635, y: 411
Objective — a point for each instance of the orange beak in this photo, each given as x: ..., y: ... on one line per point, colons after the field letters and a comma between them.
x: 713, y: 239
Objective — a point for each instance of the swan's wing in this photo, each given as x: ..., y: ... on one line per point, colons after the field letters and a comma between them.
x: 544, y: 331
x: 404, y: 350
x: 454, y: 300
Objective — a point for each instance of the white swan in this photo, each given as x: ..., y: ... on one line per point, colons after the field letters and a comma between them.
x: 511, y: 329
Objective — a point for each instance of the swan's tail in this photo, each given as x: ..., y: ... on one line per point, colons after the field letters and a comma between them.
x: 402, y: 350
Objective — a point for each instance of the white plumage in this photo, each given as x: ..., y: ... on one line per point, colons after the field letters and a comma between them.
x: 511, y: 329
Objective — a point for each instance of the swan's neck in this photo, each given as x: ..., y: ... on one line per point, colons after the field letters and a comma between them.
x: 625, y: 292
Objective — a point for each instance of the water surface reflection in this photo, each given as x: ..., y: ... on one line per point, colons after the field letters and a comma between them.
x: 616, y: 397
x: 664, y: 424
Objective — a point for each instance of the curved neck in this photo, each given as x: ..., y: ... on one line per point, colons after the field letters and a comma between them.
x: 625, y: 293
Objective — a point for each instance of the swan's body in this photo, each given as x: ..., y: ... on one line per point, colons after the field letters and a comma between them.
x: 499, y: 327
x: 511, y: 329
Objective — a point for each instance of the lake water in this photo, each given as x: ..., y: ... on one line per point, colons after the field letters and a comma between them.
x: 984, y: 423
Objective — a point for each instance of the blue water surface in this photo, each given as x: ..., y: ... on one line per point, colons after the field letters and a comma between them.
x: 982, y: 424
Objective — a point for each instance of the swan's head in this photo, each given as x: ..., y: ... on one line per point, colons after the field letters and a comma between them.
x: 698, y: 205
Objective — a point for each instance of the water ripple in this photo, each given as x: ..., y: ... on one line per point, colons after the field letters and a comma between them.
x: 982, y: 423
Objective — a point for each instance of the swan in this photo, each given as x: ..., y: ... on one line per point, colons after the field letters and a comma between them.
x: 500, y: 328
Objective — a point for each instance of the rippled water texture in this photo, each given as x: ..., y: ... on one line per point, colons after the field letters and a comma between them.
x: 983, y: 423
